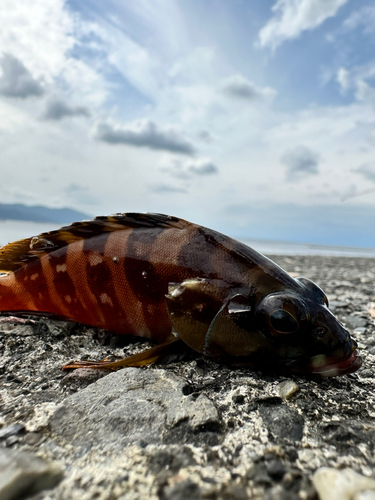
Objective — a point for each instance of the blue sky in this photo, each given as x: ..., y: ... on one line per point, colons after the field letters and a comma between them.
x: 255, y: 117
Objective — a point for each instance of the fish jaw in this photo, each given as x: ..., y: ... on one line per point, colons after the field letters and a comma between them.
x: 326, y: 366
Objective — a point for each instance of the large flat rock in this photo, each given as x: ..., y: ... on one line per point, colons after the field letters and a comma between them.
x: 132, y: 406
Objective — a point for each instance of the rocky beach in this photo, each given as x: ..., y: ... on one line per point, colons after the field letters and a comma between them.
x: 186, y: 427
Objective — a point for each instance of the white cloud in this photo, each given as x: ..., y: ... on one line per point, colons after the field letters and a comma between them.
x: 367, y: 170
x: 292, y: 17
x: 16, y: 80
x: 143, y: 134
x: 364, y: 17
x: 183, y: 169
x: 239, y: 87
x: 41, y: 35
x: 300, y: 162
x: 365, y: 93
x: 343, y: 78
x: 57, y: 109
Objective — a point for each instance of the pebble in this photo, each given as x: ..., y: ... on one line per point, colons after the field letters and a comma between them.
x: 283, y: 422
x: 23, y: 473
x: 287, y: 388
x: 346, y: 484
x: 11, y: 430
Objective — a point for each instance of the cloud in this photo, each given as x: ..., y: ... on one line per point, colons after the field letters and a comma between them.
x: 343, y: 78
x: 300, y: 162
x: 239, y: 87
x: 363, y: 17
x: 367, y: 170
x: 57, y: 109
x: 365, y: 93
x: 188, y: 168
x: 16, y: 80
x: 166, y: 188
x: 205, y: 136
x: 292, y: 17
x: 144, y: 134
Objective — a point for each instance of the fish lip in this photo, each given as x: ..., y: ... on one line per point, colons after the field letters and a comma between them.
x: 335, y: 366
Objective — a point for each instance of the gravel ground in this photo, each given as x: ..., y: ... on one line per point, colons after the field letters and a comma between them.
x: 187, y: 428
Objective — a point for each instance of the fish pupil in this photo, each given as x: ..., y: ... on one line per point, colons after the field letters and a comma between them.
x: 283, y: 322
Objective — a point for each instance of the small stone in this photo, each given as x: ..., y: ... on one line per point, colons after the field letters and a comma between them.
x: 11, y: 430
x: 32, y: 438
x: 11, y: 441
x: 275, y: 469
x: 335, y: 304
x: 22, y: 473
x: 332, y: 484
x: 287, y: 388
x: 360, y: 330
x: 238, y: 398
x: 283, y: 422
x: 356, y: 321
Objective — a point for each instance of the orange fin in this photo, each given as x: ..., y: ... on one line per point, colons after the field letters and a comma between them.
x: 18, y: 254
x: 147, y: 357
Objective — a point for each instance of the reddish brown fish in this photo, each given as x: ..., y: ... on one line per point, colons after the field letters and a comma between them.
x: 149, y: 274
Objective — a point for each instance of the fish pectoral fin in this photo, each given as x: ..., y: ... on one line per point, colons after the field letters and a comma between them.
x: 147, y: 357
x: 191, y: 306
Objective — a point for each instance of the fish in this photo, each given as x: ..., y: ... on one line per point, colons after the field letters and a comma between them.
x: 166, y: 279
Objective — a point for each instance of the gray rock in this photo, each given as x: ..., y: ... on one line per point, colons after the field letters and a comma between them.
x: 355, y: 321
x: 22, y: 472
x: 129, y: 406
x: 282, y: 422
x: 11, y: 430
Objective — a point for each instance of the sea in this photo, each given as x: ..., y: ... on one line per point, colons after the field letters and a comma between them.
x: 13, y: 230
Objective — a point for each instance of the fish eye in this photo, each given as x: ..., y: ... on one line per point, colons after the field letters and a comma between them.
x: 283, y: 322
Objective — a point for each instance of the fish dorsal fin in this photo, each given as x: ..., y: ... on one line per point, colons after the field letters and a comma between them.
x: 22, y: 252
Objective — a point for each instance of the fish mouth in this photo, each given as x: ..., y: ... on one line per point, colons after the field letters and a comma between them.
x: 327, y: 366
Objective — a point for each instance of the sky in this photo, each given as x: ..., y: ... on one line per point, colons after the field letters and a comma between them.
x: 252, y: 117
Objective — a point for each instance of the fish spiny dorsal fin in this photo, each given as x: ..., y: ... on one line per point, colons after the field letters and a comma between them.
x: 16, y: 255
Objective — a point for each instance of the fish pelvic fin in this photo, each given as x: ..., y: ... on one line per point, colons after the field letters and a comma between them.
x: 146, y: 357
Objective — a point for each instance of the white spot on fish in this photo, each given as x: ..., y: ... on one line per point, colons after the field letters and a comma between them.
x: 144, y: 274
x: 68, y: 298
x: 34, y: 276
x: 115, y: 260
x: 95, y: 259
x: 151, y: 308
x: 61, y: 268
x: 105, y: 299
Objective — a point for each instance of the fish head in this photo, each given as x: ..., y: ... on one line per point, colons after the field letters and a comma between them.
x: 290, y: 331
x: 306, y: 335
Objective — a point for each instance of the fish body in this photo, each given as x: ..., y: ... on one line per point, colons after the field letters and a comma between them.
x: 149, y: 274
